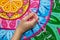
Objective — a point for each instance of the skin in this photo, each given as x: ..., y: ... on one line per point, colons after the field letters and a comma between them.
x: 26, y: 23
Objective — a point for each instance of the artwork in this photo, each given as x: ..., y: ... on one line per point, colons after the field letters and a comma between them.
x: 56, y: 6
x: 11, y: 12
x: 53, y: 26
x: 52, y: 29
x: 48, y: 35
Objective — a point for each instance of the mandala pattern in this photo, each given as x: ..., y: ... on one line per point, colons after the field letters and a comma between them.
x: 11, y: 12
x: 56, y: 6
x: 12, y: 9
x: 53, y: 26
x: 48, y: 35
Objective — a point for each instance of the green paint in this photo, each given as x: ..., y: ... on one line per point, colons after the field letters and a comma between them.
x: 56, y: 6
x: 53, y: 24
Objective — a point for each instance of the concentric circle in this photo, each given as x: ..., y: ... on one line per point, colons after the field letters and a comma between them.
x: 48, y: 35
x: 12, y: 9
x: 41, y: 7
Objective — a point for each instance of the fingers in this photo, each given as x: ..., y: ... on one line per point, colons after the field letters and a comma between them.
x: 28, y: 16
x: 34, y: 20
x: 36, y: 17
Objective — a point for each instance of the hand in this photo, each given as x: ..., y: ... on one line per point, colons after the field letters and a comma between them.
x: 28, y: 22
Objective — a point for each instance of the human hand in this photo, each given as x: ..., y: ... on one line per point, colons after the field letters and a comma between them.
x: 27, y: 22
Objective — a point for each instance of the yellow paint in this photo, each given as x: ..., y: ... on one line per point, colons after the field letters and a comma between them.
x: 12, y: 6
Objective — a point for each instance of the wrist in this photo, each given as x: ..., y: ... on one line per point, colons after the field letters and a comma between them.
x: 17, y: 35
x: 20, y: 30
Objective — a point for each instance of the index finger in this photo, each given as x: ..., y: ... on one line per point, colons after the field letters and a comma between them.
x: 28, y: 16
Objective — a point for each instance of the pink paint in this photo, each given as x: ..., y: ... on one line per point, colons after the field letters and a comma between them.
x: 25, y: 38
x: 25, y: 2
x: 34, y: 5
x: 10, y: 14
x: 0, y: 20
x: 1, y: 10
x: 20, y: 11
x: 12, y: 24
x: 58, y: 30
x: 4, y: 24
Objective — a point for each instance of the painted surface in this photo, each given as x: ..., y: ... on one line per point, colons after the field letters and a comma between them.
x: 11, y: 12
x: 53, y: 26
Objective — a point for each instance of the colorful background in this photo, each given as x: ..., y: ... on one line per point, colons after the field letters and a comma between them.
x: 53, y: 26
x: 11, y: 16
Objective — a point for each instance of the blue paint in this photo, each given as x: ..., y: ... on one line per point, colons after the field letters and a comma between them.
x: 43, y: 11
